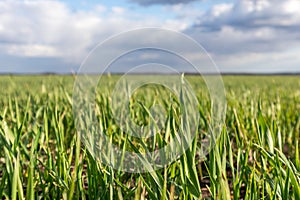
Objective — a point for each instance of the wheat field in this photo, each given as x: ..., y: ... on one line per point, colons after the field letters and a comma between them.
x: 256, y: 156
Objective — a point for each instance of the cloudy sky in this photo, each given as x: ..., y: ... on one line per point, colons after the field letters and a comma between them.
x: 240, y: 36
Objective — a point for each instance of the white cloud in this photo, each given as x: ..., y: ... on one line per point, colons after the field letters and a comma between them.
x: 249, y: 26
x: 238, y: 35
x: 219, y: 9
x: 251, y: 35
x: 51, y: 29
x: 161, y: 2
x: 247, y: 14
x: 288, y: 61
x: 185, y: 13
x: 292, y: 6
x: 100, y: 8
x: 118, y: 10
x: 34, y: 50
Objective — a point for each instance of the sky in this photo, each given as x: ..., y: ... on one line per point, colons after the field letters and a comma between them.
x: 256, y: 36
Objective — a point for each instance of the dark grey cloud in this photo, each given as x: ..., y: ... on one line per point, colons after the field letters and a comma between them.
x: 161, y: 2
x: 252, y: 36
x: 141, y: 57
x: 24, y: 65
x: 249, y: 26
x: 252, y: 14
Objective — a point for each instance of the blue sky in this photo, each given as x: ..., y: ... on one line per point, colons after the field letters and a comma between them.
x: 240, y: 35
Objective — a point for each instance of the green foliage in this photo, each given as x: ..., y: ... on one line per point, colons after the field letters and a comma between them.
x: 255, y: 157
